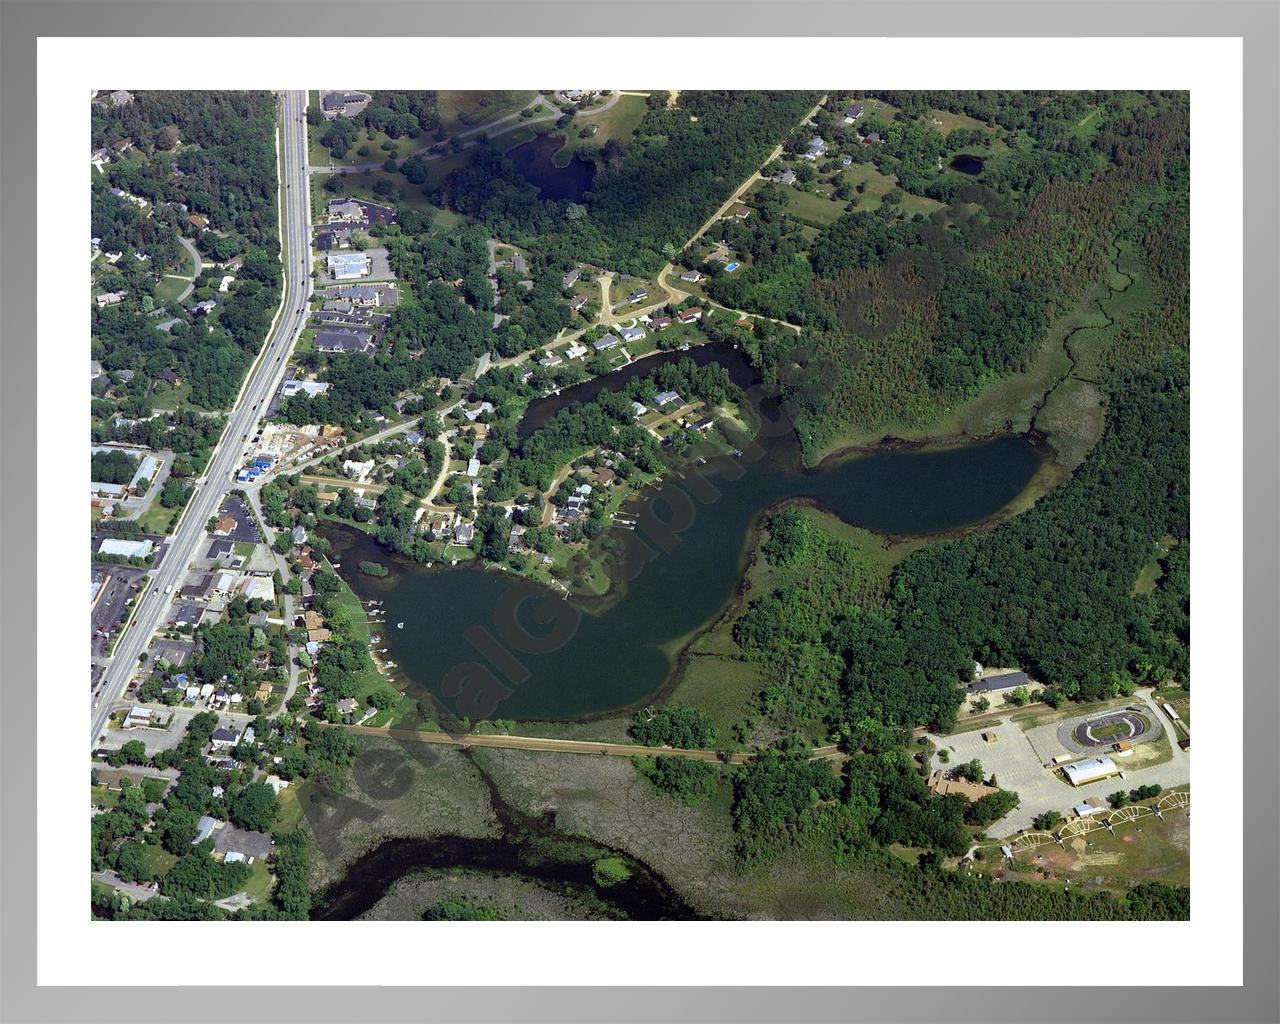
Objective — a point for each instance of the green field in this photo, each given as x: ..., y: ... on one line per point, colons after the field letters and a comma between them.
x: 461, y: 110
x: 619, y: 122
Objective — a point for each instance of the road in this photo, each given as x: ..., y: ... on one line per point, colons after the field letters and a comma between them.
x: 243, y: 419
x: 199, y: 266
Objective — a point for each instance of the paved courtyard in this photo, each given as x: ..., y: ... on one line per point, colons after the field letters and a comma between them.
x: 1017, y: 760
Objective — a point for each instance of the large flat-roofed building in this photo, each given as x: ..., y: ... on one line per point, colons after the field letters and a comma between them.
x: 1092, y: 770
x: 343, y: 340
x: 126, y: 548
x: 347, y: 266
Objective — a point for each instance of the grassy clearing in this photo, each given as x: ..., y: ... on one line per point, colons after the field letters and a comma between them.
x: 725, y: 688
x: 461, y: 110
x: 619, y: 123
x: 1159, y: 853
x: 101, y: 796
x: 158, y: 859
x: 816, y: 210
x: 158, y: 519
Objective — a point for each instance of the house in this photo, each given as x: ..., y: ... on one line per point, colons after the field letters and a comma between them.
x: 463, y: 533
x: 299, y: 536
x: 604, y: 474
x: 519, y: 264
x: 688, y: 316
x: 691, y: 275
x: 101, y: 490
x: 740, y: 212
x: 1092, y: 769
x: 198, y: 221
x: 242, y: 844
x: 576, y: 351
x: 346, y: 266
x: 473, y: 467
x: 638, y: 410
x: 225, y: 284
x: 577, y: 304
x: 702, y: 426
x: 347, y: 705
x: 870, y: 138
x: 224, y: 738
x: 633, y: 333
x: 639, y: 295
x: 853, y: 113
x: 667, y: 397
x: 168, y: 377
x: 95, y: 369
x: 787, y: 177
x: 570, y: 279
x: 413, y: 438
x: 474, y: 414
x: 126, y: 548
x: 343, y: 339
x: 120, y: 98
x: 607, y: 342
x: 205, y: 827
x: 660, y: 323
x: 845, y: 161
x: 550, y: 360
x: 204, y: 307
x: 109, y: 299
x: 817, y: 147
x: 225, y: 526
x: 357, y: 470
x: 123, y: 145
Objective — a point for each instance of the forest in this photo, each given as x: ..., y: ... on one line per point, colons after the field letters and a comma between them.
x: 675, y: 172
x: 191, y: 153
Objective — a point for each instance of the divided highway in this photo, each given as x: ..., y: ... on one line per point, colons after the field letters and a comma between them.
x: 255, y: 397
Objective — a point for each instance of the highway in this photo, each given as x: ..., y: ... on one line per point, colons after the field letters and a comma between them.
x: 260, y: 384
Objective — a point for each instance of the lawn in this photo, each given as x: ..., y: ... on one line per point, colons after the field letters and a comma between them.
x: 259, y: 882
x: 1159, y: 853
x: 158, y: 859
x: 814, y: 209
x: 157, y: 518
x: 101, y: 796
x: 370, y: 141
x: 723, y: 687
x: 619, y: 122
x: 460, y: 110
x: 168, y: 288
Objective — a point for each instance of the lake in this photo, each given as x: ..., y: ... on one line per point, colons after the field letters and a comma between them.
x: 967, y: 163
x: 533, y: 162
x: 620, y: 652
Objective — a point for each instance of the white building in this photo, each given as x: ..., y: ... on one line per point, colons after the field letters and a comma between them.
x: 126, y: 548
x: 347, y: 266
x: 1094, y: 769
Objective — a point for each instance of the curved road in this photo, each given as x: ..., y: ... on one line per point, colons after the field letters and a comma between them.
x: 243, y: 419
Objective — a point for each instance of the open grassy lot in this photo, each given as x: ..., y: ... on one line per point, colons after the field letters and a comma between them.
x: 618, y: 123
x: 1160, y: 852
x: 1149, y: 575
x: 157, y: 518
x: 101, y: 796
x: 158, y: 859
x: 371, y: 142
x: 725, y: 688
x: 814, y: 209
x: 463, y: 109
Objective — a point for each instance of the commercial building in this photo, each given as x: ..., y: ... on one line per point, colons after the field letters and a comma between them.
x: 347, y: 266
x: 1093, y: 770
x: 126, y: 548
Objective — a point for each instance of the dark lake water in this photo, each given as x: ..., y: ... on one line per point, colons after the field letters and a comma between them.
x: 967, y: 163
x: 540, y: 412
x: 533, y: 161
x: 600, y: 658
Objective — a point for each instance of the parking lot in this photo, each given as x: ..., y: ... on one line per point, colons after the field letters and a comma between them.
x: 119, y: 583
x: 1017, y: 758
